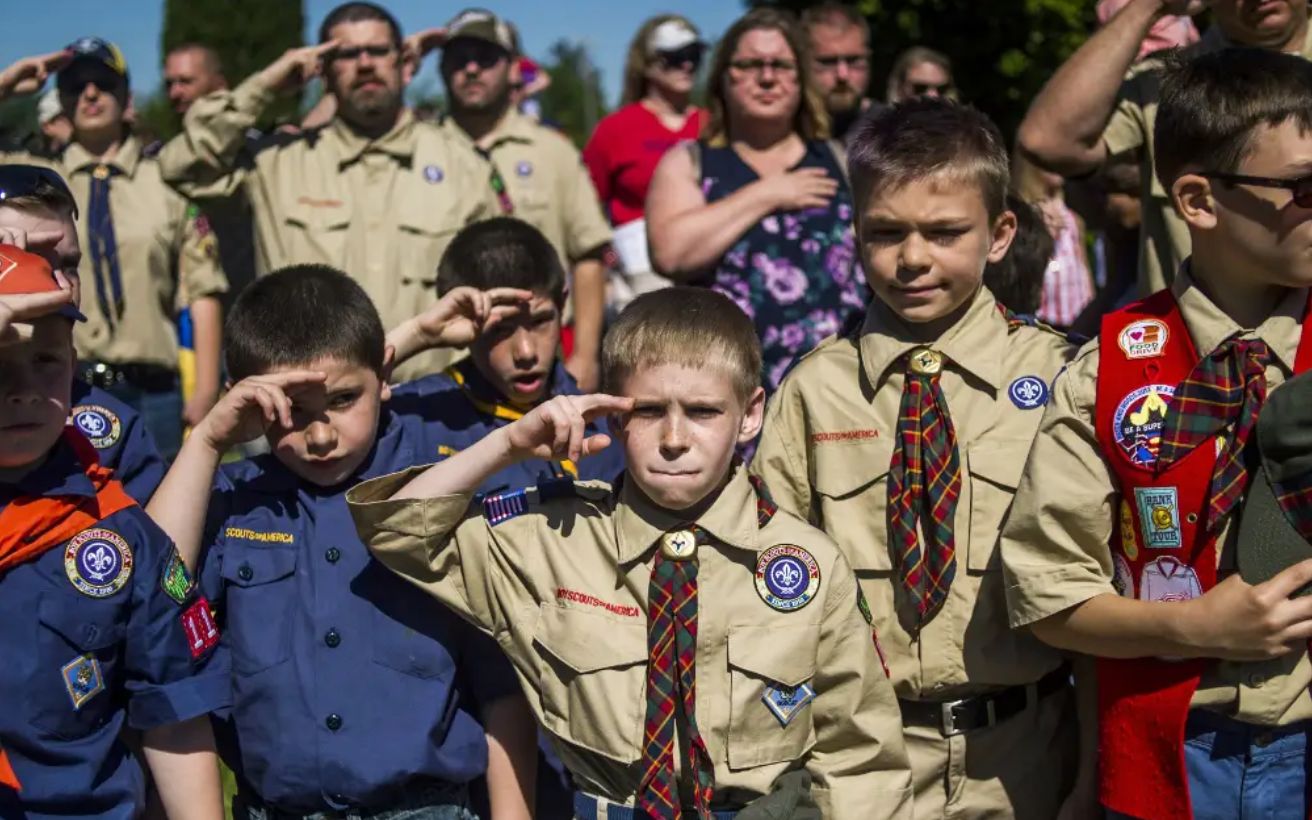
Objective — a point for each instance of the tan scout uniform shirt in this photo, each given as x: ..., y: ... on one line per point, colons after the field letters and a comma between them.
x: 382, y: 210
x: 563, y: 588
x: 1055, y: 551
x: 161, y: 255
x: 1163, y: 236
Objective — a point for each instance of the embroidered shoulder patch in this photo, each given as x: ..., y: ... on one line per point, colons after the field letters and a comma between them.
x: 98, y: 562
x: 202, y: 632
x: 785, y: 702
x: 82, y: 679
x: 175, y: 581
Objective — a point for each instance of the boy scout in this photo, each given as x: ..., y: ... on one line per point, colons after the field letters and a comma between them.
x: 682, y: 588
x: 37, y: 214
x: 375, y: 192
x: 141, y: 247
x: 535, y: 172
x: 904, y: 438
x: 1120, y: 543
x: 351, y: 691
x: 512, y: 364
x: 103, y: 629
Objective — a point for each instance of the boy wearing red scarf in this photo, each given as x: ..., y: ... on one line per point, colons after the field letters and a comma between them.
x: 1122, y: 535
x: 102, y: 626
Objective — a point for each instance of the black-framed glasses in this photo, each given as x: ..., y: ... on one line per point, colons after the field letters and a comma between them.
x: 831, y: 62
x: 1301, y: 187
x: 688, y: 55
x: 759, y: 67
x: 922, y: 89
x: 377, y: 52
x: 18, y: 181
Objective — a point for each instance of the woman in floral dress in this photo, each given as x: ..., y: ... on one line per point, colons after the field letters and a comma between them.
x: 759, y: 208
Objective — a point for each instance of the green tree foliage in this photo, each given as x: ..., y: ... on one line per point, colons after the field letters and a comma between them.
x: 247, y: 34
x: 1002, y: 50
x: 574, y: 101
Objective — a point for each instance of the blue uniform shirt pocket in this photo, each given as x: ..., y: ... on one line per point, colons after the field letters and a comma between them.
x: 411, y: 631
x: 79, y: 646
x: 258, y: 600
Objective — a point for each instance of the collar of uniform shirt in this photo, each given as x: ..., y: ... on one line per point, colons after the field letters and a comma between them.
x: 1210, y: 326
x: 398, y: 142
x: 76, y: 158
x: 60, y: 474
x: 973, y: 344
x: 732, y: 519
x: 514, y: 127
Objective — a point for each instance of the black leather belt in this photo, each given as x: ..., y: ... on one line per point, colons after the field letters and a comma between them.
x: 151, y: 378
x: 957, y: 717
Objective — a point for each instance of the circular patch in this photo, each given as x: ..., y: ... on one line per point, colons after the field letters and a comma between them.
x: 787, y: 577
x: 1028, y: 392
x: 1122, y: 580
x: 98, y: 562
x: 433, y: 174
x: 524, y: 168
x: 98, y: 424
x: 1138, y: 421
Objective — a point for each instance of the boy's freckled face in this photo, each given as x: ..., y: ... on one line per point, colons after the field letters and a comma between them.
x: 517, y: 355
x: 924, y: 245
x: 680, y: 438
x: 36, y: 376
x: 334, y: 424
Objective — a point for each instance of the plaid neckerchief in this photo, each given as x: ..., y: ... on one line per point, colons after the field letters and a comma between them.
x: 1228, y: 387
x: 924, y: 484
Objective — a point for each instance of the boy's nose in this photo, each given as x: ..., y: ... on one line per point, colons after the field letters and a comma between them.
x: 320, y: 437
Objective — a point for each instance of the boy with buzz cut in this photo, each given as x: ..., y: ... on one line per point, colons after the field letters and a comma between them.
x: 103, y: 629
x: 680, y: 597
x: 513, y: 361
x: 1122, y: 542
x: 352, y: 692
x: 903, y: 438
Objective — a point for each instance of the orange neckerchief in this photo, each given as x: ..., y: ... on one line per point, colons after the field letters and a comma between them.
x: 30, y: 527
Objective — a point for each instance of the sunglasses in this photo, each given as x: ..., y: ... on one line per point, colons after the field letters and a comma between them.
x: 1300, y: 187
x: 830, y: 63
x: 378, y: 52
x: 759, y: 67
x: 688, y: 55
x: 921, y: 89
x: 75, y: 82
x: 18, y: 181
x: 484, y: 55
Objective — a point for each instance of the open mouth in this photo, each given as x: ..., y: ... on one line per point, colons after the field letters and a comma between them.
x: 528, y: 383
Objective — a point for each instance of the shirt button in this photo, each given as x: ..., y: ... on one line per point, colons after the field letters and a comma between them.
x: 333, y: 638
x: 333, y: 722
x: 1256, y: 679
x: 1263, y: 740
x: 245, y: 572
x: 333, y: 555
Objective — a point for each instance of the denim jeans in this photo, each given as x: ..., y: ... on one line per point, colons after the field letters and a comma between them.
x: 1238, y: 771
x: 430, y: 801
x: 161, y: 413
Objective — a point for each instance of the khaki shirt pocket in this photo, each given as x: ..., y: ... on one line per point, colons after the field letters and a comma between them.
x: 762, y: 659
x: 422, y: 243
x: 851, y: 482
x: 995, y: 469
x: 593, y: 679
x: 317, y: 230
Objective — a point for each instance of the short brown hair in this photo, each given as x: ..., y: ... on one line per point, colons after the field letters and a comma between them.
x: 1211, y: 104
x: 635, y: 64
x: 925, y: 137
x: 47, y: 191
x: 913, y: 57
x: 685, y: 326
x: 502, y: 252
x: 811, y: 122
x: 838, y: 15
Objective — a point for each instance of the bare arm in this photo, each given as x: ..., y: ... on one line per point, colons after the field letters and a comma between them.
x: 1064, y: 126
x: 185, y: 768
x: 207, y: 322
x: 589, y: 297
x: 512, y: 758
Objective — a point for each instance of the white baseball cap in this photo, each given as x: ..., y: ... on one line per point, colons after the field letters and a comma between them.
x: 48, y: 107
x: 671, y: 35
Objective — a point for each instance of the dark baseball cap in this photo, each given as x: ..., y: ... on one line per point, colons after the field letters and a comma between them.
x: 92, y: 56
x: 481, y: 24
x: 1272, y: 535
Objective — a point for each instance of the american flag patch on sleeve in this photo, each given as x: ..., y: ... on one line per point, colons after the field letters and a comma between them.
x: 505, y: 506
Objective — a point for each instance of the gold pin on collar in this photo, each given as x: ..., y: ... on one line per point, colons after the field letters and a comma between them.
x: 679, y: 545
x: 926, y: 362
x: 101, y: 172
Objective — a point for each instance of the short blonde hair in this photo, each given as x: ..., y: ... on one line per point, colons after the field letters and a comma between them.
x: 684, y: 326
x: 635, y: 65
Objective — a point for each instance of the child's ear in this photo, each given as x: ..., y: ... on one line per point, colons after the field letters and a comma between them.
x: 1192, y: 195
x: 753, y: 418
x: 1004, y: 231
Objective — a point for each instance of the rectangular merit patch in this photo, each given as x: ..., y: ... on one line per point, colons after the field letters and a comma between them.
x: 264, y: 537
x: 175, y: 582
x: 82, y: 679
x: 784, y: 702
x: 1159, y: 516
x: 843, y: 435
x: 202, y: 633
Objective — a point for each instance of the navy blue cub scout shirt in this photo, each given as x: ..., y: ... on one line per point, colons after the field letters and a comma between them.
x: 103, y: 632
x: 122, y: 441
x: 463, y: 408
x: 348, y: 682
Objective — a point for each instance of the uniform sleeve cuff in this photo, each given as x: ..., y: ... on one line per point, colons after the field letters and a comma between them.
x: 375, y: 511
x: 252, y: 96
x: 155, y: 706
x: 1047, y: 593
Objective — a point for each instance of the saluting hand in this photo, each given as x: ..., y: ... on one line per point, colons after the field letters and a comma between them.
x: 418, y: 45
x: 254, y: 405
x: 558, y: 428
x: 463, y: 314
x: 297, y: 66
x: 24, y: 307
x: 29, y: 74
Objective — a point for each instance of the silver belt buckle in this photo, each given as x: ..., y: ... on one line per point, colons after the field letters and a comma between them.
x: 948, y: 718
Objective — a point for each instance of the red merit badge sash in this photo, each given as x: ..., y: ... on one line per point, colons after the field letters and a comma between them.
x: 1160, y: 552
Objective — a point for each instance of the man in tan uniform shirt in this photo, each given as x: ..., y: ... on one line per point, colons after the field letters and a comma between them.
x: 1098, y: 106
x: 829, y: 438
x: 142, y: 251
x: 537, y: 174
x: 374, y: 193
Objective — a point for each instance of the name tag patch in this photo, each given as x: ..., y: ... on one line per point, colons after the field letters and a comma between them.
x: 82, y: 679
x: 787, y: 577
x: 202, y: 632
x: 1028, y: 392
x: 1159, y: 515
x: 1138, y: 421
x: 100, y: 425
x: 784, y: 702
x: 98, y: 562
